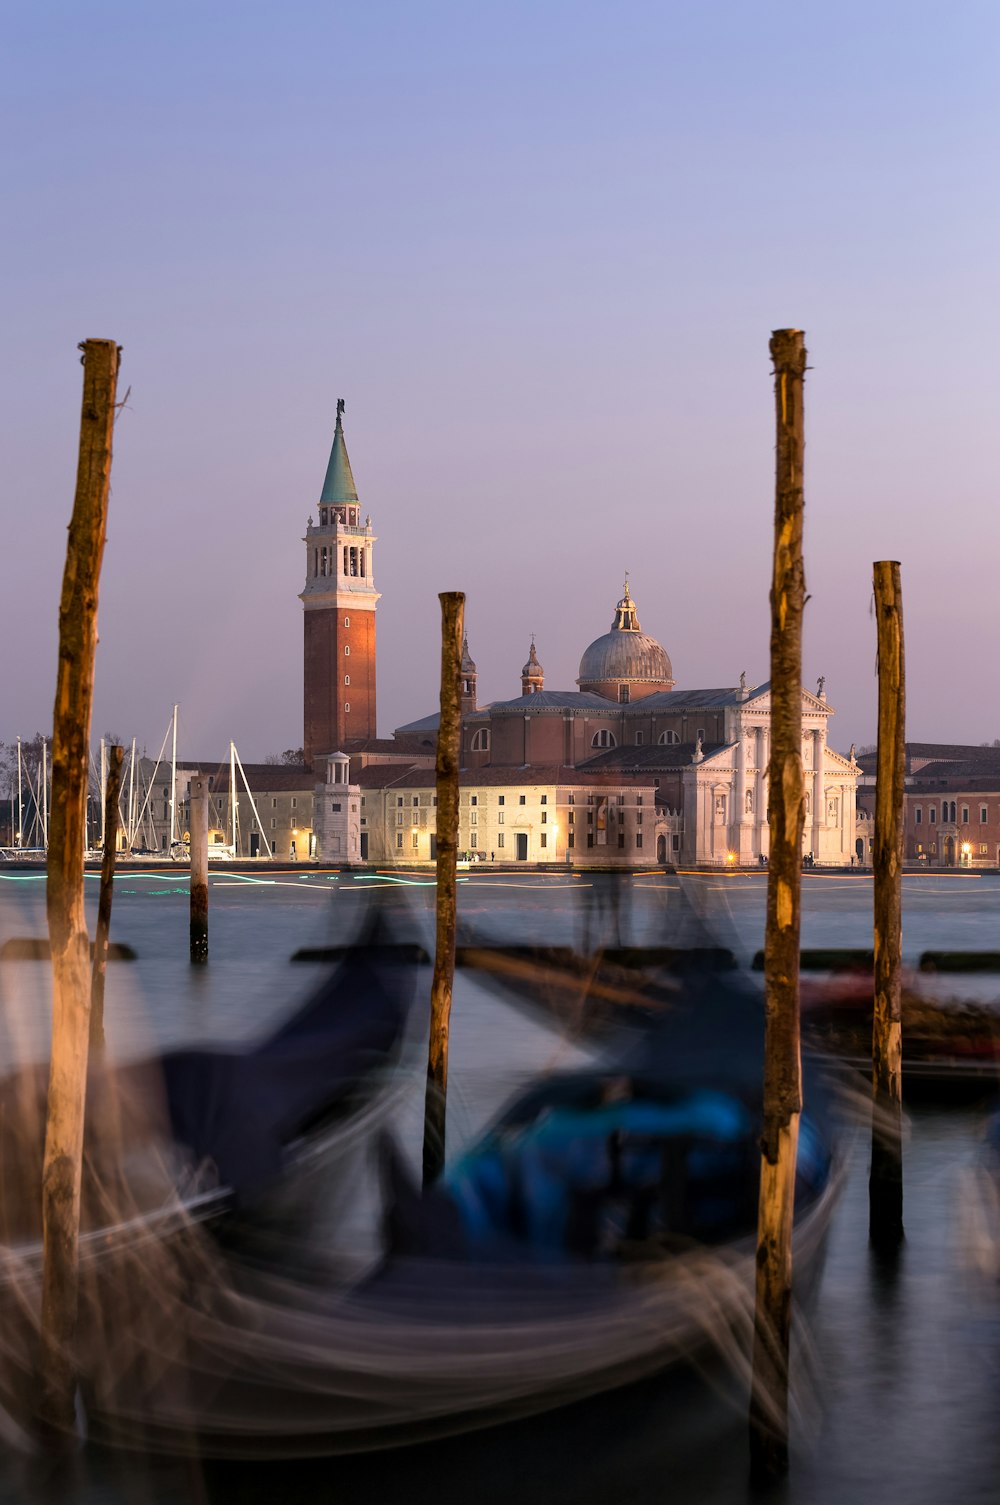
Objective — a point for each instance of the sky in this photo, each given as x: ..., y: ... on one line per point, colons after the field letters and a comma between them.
x: 539, y: 249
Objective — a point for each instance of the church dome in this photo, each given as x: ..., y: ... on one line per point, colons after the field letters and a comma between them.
x: 625, y: 656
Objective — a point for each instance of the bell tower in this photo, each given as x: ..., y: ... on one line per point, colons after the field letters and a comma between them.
x: 339, y: 602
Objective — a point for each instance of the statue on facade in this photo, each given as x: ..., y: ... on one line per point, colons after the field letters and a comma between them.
x: 743, y: 682
x: 853, y: 754
x: 698, y: 755
x: 821, y: 686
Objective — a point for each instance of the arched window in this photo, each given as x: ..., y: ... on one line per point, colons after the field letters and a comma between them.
x: 347, y: 650
x: 603, y: 738
x: 347, y: 679
x: 347, y: 621
x: 668, y: 739
x: 347, y: 705
x: 481, y: 740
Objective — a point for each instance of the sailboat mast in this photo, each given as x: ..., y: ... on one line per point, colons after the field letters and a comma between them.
x: 173, y: 784
x: 20, y: 799
x: 232, y: 792
x: 104, y: 785
x: 45, y: 796
x: 131, y: 801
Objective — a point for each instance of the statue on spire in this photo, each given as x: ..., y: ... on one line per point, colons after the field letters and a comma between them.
x: 340, y: 408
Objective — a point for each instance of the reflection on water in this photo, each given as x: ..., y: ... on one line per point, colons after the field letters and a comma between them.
x: 903, y: 1361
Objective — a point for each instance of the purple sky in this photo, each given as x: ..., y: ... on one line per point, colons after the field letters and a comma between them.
x: 539, y: 249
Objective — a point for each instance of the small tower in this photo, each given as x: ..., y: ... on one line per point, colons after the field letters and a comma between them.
x: 468, y: 678
x: 532, y: 675
x: 336, y: 814
x: 339, y: 603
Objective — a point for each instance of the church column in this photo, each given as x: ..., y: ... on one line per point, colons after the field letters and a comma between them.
x: 760, y: 792
x: 742, y: 818
x: 818, y: 813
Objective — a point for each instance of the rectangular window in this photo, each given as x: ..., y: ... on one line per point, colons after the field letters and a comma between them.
x: 500, y: 816
x: 570, y: 817
x: 545, y: 816
x: 294, y: 802
x: 983, y: 815
x: 473, y: 817
x: 621, y: 799
x: 638, y: 799
x: 499, y: 838
x: 399, y: 800
x: 274, y: 804
x: 932, y: 815
x: 638, y: 739
x: 473, y: 799
x: 334, y: 807
x: 571, y: 799
x: 544, y: 839
x: 621, y: 838
x: 638, y: 839
x: 933, y: 846
x: 675, y: 842
x: 590, y: 838
x: 522, y: 799
x: 623, y: 694
x: 571, y: 840
x: 416, y: 801
x: 965, y: 815
x: 545, y: 799
x: 500, y: 799
x: 701, y: 734
x: 399, y: 838
x: 399, y: 817
x: 918, y: 816
x: 983, y: 849
x: 638, y: 817
x: 274, y: 824
x: 415, y: 840
x: 274, y: 847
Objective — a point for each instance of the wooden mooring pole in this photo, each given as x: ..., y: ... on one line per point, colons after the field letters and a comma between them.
x: 199, y: 869
x: 449, y: 748
x: 782, y: 1066
x: 885, y: 1184
x: 99, y: 971
x: 61, y: 1172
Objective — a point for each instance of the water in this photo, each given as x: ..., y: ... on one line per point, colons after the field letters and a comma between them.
x: 903, y: 1361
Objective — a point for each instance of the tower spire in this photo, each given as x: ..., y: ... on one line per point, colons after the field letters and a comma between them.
x: 338, y: 485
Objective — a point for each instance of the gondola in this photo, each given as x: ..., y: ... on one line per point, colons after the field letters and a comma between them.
x: 600, y: 1232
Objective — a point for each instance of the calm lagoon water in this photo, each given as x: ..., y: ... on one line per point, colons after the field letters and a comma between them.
x: 903, y: 1363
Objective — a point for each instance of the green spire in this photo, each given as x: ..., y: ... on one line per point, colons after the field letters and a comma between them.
x: 339, y: 483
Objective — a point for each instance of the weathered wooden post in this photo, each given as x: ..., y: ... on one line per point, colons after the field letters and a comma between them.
x: 100, y: 967
x: 199, y: 869
x: 64, y: 893
x: 782, y: 1066
x: 449, y: 747
x: 885, y: 1184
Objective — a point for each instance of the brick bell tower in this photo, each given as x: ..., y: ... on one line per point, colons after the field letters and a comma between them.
x: 339, y: 603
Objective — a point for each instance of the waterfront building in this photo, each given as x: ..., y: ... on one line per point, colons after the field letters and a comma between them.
x: 702, y: 752
x: 951, y: 803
